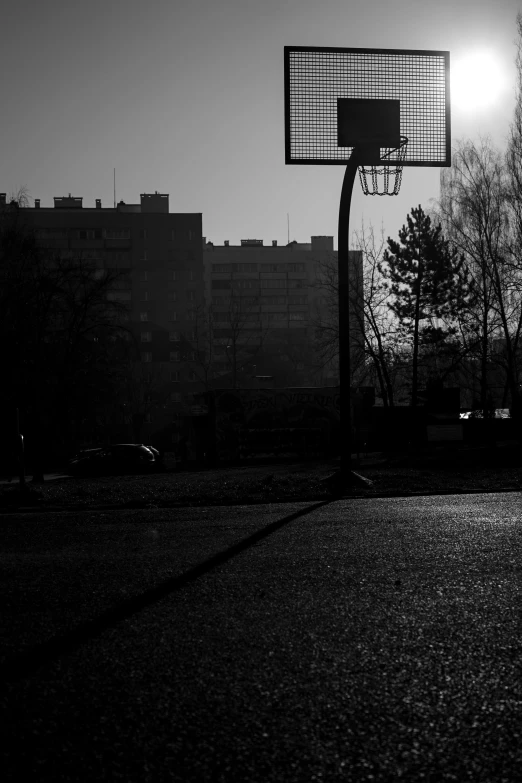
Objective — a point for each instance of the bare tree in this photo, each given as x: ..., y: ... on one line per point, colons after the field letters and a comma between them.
x: 226, y: 339
x: 514, y: 254
x: 55, y: 321
x: 479, y: 205
x: 381, y: 339
x: 376, y: 350
x: 325, y: 320
x: 140, y: 388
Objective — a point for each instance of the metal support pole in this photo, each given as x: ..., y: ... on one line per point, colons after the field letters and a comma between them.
x: 344, y: 316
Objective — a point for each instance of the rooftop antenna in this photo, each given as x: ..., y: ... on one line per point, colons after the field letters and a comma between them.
x: 114, y: 188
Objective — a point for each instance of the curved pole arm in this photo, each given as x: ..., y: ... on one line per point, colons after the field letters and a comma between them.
x: 343, y: 259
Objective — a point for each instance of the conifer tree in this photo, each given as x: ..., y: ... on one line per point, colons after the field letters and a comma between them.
x: 428, y: 282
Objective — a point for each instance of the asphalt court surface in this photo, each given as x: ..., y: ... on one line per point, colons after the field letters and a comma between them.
x: 353, y: 640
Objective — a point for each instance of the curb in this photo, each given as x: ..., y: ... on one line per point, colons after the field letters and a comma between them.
x: 136, y: 506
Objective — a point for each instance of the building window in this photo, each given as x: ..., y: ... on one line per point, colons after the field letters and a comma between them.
x: 146, y: 357
x: 191, y: 296
x: 171, y: 275
x: 246, y: 284
x: 51, y: 233
x: 224, y: 283
x: 148, y: 418
x: 144, y: 296
x: 117, y: 234
x: 191, y: 235
x: 89, y: 233
x: 192, y: 376
x: 192, y: 278
x: 297, y: 300
x: 174, y: 376
x: 192, y: 335
x: 172, y: 296
x: 297, y: 316
x: 119, y: 296
x: 277, y: 283
x: 144, y: 316
x: 144, y: 255
x: 173, y: 337
x: 274, y: 316
x: 173, y: 315
x: 172, y: 235
x: 144, y: 276
x: 174, y: 356
x: 175, y: 397
x: 222, y: 268
x: 143, y: 233
x: 146, y: 337
x: 247, y: 267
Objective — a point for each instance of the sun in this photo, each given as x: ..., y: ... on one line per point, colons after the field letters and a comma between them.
x: 477, y: 81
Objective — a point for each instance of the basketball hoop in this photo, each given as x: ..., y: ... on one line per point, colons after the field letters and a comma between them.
x: 384, y: 180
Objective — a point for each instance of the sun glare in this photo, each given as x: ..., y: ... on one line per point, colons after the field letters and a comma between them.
x: 477, y: 81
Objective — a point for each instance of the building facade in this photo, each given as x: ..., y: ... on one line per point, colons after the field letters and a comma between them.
x: 159, y: 257
x: 267, y: 304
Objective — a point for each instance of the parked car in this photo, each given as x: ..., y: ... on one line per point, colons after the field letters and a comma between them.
x: 116, y: 459
x: 498, y: 413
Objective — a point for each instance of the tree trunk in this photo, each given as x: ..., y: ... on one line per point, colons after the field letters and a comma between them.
x: 37, y: 449
x: 416, y: 338
x: 484, y: 353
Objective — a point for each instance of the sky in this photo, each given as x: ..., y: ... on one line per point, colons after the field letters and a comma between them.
x: 186, y: 97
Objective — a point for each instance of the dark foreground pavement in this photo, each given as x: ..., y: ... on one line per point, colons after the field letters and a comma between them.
x: 357, y: 640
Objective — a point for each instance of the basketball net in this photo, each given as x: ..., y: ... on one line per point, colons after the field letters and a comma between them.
x: 384, y: 180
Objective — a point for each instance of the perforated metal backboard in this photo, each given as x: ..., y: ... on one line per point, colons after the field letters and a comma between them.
x: 333, y: 95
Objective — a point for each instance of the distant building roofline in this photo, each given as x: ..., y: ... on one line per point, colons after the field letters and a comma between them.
x: 149, y: 202
x: 323, y: 241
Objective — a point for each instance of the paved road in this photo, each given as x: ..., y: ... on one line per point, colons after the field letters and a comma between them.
x: 367, y: 640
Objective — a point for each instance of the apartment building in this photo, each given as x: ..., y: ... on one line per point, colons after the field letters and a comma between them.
x: 159, y: 256
x: 266, y: 302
